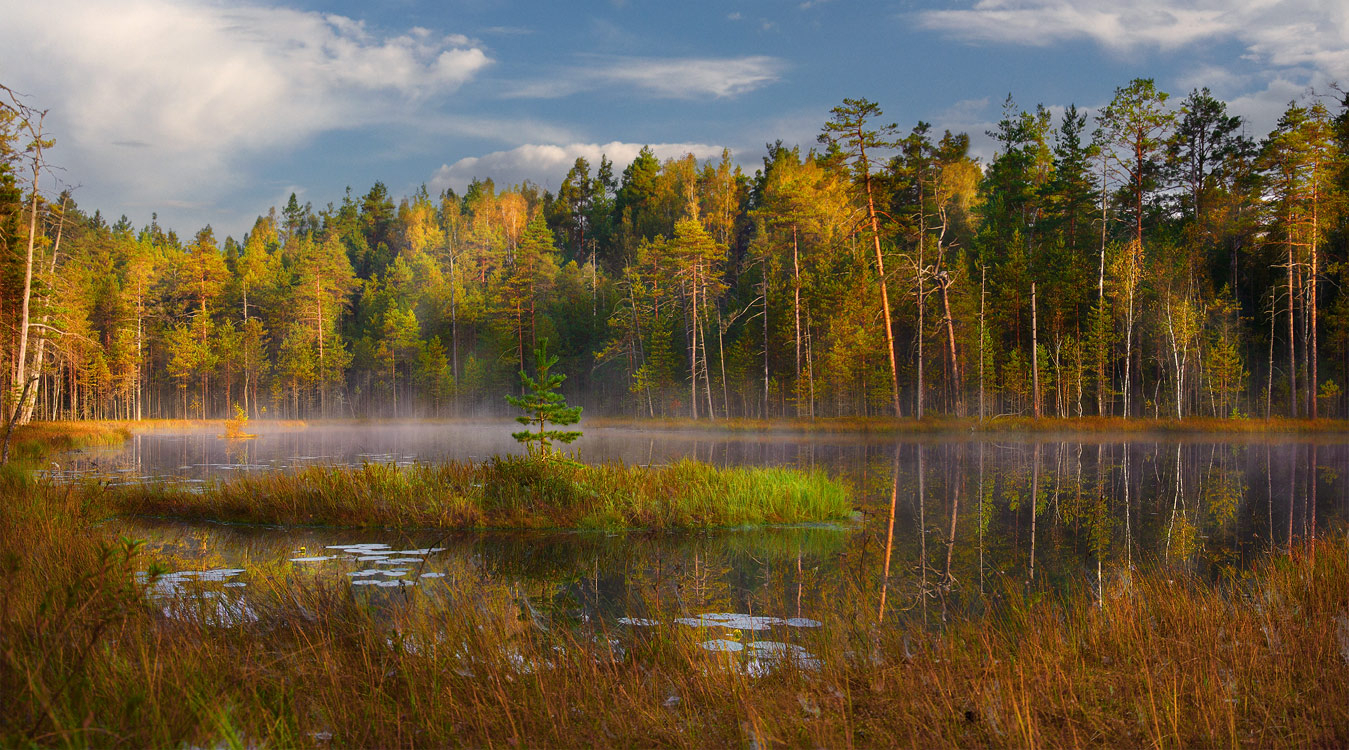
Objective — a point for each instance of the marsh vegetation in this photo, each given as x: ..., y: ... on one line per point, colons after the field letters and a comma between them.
x: 993, y: 592
x: 98, y: 650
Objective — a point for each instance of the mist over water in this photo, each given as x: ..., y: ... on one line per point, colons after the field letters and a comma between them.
x: 955, y: 517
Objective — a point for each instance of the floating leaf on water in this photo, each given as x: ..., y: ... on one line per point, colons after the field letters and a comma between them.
x: 730, y: 620
x: 362, y: 573
x: 775, y: 647
x: 721, y: 644
x: 641, y: 621
x: 801, y: 622
x: 311, y: 559
x: 218, y: 574
x: 433, y: 575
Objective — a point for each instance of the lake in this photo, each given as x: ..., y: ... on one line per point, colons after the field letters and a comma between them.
x: 943, y: 522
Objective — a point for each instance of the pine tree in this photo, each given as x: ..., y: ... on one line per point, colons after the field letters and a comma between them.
x: 544, y: 405
x: 847, y: 135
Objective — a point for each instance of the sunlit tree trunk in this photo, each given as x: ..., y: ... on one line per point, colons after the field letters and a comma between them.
x: 1034, y: 357
x: 39, y: 358
x: 1312, y: 354
x: 21, y: 372
x: 1292, y: 345
x: 983, y: 279
x: 796, y: 314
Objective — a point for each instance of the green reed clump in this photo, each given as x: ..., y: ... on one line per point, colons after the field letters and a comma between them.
x: 502, y: 493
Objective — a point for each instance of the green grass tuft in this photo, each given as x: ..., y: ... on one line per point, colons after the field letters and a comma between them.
x: 502, y: 493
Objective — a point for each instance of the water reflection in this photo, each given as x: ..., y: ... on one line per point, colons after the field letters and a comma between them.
x: 945, y: 524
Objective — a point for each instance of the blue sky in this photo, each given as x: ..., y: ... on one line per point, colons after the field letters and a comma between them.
x: 210, y: 112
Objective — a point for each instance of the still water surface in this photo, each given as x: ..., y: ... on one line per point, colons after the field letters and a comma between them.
x: 943, y: 523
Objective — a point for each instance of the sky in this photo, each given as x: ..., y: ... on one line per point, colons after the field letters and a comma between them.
x: 209, y: 112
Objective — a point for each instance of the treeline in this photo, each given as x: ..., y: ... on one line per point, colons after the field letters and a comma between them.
x: 1155, y: 259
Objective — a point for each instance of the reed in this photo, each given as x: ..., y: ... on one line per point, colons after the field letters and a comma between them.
x: 40, y: 440
x: 87, y: 657
x: 501, y: 493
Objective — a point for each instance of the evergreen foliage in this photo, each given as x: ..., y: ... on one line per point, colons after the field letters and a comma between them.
x: 1180, y: 268
x: 543, y: 406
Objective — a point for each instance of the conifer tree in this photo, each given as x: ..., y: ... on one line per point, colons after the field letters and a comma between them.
x: 543, y: 406
x: 847, y: 134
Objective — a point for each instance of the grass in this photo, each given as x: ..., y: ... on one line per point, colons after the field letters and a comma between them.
x: 501, y: 493
x: 38, y: 440
x: 1164, y: 660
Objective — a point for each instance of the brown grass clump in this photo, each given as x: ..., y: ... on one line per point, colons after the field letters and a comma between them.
x: 37, y: 440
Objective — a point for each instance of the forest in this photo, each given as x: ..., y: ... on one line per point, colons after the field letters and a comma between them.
x: 1154, y: 259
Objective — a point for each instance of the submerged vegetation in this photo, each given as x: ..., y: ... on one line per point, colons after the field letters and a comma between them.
x: 502, y: 493
x: 93, y: 653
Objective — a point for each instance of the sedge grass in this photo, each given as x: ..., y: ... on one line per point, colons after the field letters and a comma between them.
x: 501, y: 493
x: 1164, y: 660
x: 39, y: 440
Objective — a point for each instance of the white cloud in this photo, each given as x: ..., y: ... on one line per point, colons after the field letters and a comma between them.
x: 1289, y: 46
x: 547, y: 164
x: 1262, y: 109
x: 1281, y: 33
x: 176, y: 92
x: 670, y: 78
x: 1113, y: 24
x: 963, y: 112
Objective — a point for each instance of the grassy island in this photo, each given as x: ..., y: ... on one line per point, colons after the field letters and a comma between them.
x: 504, y: 493
x: 507, y: 492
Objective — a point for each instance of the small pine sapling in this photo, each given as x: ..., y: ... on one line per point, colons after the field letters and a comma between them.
x: 544, y: 405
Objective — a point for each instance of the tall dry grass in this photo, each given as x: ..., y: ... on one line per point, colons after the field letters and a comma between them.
x: 1160, y: 659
